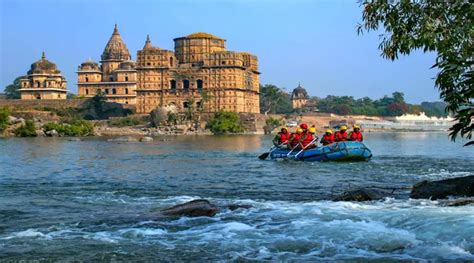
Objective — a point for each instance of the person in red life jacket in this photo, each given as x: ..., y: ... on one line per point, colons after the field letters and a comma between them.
x: 356, y: 135
x: 328, y: 137
x: 282, y: 138
x: 307, y: 137
x: 341, y: 135
x: 295, y: 138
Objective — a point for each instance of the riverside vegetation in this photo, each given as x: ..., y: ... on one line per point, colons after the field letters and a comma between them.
x: 98, y: 114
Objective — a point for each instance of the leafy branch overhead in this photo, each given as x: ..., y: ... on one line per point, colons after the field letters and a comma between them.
x: 444, y: 27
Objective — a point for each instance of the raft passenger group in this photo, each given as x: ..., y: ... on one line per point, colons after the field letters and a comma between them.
x: 305, y: 138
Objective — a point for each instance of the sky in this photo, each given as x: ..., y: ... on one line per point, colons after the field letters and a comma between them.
x: 311, y: 42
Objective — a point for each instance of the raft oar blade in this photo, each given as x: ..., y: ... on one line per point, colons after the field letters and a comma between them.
x: 264, y: 156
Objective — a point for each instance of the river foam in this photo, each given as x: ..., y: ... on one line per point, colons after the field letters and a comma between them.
x: 322, y: 230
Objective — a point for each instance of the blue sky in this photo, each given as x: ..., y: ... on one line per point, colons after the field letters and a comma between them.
x: 312, y: 42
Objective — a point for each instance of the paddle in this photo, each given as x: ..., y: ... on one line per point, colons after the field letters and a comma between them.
x: 304, y: 148
x: 264, y: 156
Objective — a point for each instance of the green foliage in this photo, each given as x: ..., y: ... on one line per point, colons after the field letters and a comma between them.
x: 71, y: 95
x: 444, y: 27
x: 386, y: 106
x: 437, y: 109
x: 97, y: 108
x: 4, y: 113
x: 124, y: 122
x: 274, y: 100
x: 225, y: 122
x: 172, y: 117
x: 272, y: 122
x: 75, y: 128
x: 11, y: 91
x: 26, y: 130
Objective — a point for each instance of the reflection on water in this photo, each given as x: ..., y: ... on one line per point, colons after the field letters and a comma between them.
x: 93, y: 200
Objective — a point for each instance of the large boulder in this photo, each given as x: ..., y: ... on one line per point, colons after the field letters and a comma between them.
x: 158, y: 116
x: 194, y: 208
x: 460, y: 186
x: 359, y: 195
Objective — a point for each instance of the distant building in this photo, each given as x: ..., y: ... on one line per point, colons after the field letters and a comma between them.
x: 116, y: 77
x: 199, y: 73
x: 43, y: 82
x: 299, y: 97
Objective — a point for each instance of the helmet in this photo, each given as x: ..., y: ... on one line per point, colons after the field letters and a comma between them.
x: 284, y: 128
x: 312, y: 130
x: 343, y: 127
x: 329, y: 131
x: 356, y: 126
x: 299, y: 130
x: 304, y: 126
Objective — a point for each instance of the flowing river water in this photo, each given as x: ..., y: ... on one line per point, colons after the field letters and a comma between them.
x: 97, y: 200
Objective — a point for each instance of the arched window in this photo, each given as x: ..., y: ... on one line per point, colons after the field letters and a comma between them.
x: 171, y: 61
x: 186, y: 84
x: 87, y: 79
x: 173, y: 84
x: 126, y: 78
x: 111, y: 78
x: 87, y: 91
x: 114, y: 91
x: 199, y: 85
x: 126, y: 90
x: 38, y: 84
x: 106, y: 91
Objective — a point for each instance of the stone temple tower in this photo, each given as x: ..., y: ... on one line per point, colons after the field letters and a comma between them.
x: 115, y: 52
x: 115, y: 77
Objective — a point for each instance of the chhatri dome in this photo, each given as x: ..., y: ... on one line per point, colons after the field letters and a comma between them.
x: 299, y: 93
x: 115, y: 48
x: 43, y: 66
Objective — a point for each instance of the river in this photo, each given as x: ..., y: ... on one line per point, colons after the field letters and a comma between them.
x: 97, y: 200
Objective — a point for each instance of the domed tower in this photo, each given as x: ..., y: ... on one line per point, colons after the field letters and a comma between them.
x: 193, y: 48
x: 299, y: 97
x: 43, y: 82
x: 114, y: 53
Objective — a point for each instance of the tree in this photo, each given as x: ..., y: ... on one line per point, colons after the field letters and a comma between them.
x: 274, y: 100
x: 225, y: 122
x: 11, y: 91
x: 444, y: 27
x: 4, y: 113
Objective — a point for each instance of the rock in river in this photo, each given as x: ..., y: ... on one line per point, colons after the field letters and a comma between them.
x: 146, y: 139
x: 359, y: 195
x: 198, y: 207
x: 460, y: 186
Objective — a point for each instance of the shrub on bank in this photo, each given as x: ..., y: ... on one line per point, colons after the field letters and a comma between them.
x: 124, y: 122
x: 225, y: 122
x: 4, y: 113
x: 26, y: 130
x: 74, y: 128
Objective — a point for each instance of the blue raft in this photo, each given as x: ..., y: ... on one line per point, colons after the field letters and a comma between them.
x: 338, y: 151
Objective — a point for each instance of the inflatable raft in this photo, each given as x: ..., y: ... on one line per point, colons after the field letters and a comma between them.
x: 338, y: 151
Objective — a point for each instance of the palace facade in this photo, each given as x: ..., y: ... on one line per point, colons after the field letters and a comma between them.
x: 43, y: 82
x: 200, y: 74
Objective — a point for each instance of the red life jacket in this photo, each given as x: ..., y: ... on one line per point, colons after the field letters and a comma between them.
x: 295, y: 139
x: 308, y: 137
x: 341, y: 136
x: 327, y: 139
x: 356, y: 136
x: 284, y: 137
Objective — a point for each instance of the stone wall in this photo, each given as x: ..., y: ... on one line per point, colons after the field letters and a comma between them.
x: 35, y: 104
